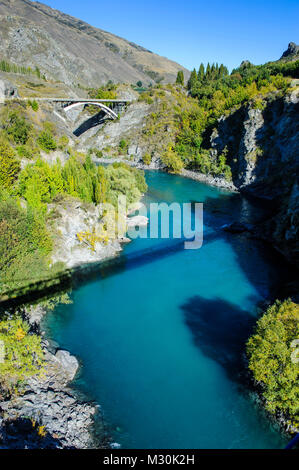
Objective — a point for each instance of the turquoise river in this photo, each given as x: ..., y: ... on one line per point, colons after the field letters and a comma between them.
x: 161, y: 335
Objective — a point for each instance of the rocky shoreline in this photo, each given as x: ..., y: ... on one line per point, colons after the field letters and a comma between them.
x: 216, y: 181
x: 49, y: 413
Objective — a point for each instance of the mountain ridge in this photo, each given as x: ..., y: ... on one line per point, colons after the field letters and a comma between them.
x: 89, y: 56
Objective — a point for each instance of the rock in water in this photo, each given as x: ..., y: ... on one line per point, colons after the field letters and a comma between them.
x: 68, y: 362
x: 137, y: 221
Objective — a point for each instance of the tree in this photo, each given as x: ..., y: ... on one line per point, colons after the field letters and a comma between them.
x: 147, y: 158
x: 24, y: 244
x: 46, y: 141
x: 39, y: 183
x: 139, y: 83
x: 172, y: 161
x: 121, y: 182
x: 271, y: 358
x: 213, y: 71
x: 16, y: 126
x: 23, y: 354
x: 101, y: 186
x: 192, y: 80
x: 208, y: 71
x: 201, y: 72
x: 180, y: 78
x: 9, y: 165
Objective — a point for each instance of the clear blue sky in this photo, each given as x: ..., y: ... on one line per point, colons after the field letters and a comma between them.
x: 195, y: 31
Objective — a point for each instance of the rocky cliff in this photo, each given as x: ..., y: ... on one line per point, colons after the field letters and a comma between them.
x: 292, y: 52
x: 263, y: 152
x: 70, y: 50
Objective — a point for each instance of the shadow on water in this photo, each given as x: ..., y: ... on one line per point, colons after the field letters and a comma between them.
x: 220, y: 330
x: 101, y: 270
x: 265, y: 268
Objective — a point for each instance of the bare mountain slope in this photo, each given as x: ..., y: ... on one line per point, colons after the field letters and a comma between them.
x: 70, y: 50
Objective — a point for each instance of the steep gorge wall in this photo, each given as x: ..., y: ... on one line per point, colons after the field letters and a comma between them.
x: 263, y: 151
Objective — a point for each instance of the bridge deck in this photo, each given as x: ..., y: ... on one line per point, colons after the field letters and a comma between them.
x: 76, y: 100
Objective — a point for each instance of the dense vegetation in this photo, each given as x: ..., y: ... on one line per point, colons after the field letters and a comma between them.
x: 183, y: 123
x: 21, y: 354
x: 105, y: 92
x: 273, y: 360
x: 40, y: 183
x: 25, y: 220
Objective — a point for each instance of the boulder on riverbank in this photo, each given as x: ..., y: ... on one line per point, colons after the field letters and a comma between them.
x: 47, y: 413
x: 68, y: 362
x: 137, y: 221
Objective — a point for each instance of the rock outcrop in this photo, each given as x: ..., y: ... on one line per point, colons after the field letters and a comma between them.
x: 48, y: 414
x: 292, y: 51
x: 263, y: 150
x: 73, y: 217
x: 7, y: 90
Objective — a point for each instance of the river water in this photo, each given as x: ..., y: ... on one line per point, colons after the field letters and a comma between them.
x: 161, y: 337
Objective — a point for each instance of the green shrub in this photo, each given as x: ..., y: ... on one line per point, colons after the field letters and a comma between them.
x: 33, y: 104
x: 270, y: 352
x: 147, y: 159
x: 98, y: 153
x: 122, y: 181
x: 24, y: 245
x: 123, y: 145
x: 105, y: 92
x: 9, y: 165
x: 172, y: 161
x: 24, y: 151
x: 46, y: 141
x: 23, y: 354
x: 17, y: 128
x: 39, y: 183
x: 63, y: 142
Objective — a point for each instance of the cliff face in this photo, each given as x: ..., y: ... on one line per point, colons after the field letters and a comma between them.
x: 292, y: 52
x: 263, y: 151
x: 70, y: 50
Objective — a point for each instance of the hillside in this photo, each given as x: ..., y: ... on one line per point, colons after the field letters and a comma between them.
x: 69, y: 50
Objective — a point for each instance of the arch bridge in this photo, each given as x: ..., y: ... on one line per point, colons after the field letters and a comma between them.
x: 109, y: 107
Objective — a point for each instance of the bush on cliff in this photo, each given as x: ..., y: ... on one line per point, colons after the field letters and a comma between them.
x: 15, y: 125
x: 24, y: 245
x: 21, y: 354
x: 46, y: 141
x: 273, y: 361
x: 172, y: 161
x: 9, y: 165
x: 121, y: 182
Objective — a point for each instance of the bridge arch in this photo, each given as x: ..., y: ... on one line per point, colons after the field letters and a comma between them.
x: 107, y: 110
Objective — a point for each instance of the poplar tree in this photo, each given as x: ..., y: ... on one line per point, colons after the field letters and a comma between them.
x: 180, y: 78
